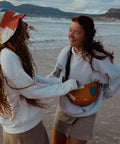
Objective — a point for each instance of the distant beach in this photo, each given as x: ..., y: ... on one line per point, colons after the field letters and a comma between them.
x: 45, y: 47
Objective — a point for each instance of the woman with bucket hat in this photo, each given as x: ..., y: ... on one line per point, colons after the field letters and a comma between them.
x: 20, y: 88
x: 98, y: 75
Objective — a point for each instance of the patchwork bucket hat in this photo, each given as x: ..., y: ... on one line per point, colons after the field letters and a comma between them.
x: 8, y: 23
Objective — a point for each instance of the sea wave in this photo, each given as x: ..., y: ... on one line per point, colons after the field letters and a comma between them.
x: 47, y: 40
x: 108, y: 35
x: 46, y: 20
x: 66, y: 39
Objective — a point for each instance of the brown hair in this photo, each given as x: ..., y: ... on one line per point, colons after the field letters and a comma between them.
x: 92, y: 49
x: 18, y: 45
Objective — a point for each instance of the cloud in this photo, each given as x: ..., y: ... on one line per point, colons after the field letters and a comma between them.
x: 88, y: 6
x: 80, y: 6
x: 102, y: 6
x: 91, y: 6
x: 75, y: 6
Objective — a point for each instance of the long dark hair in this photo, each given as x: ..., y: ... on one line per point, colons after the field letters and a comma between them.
x: 92, y: 49
x: 17, y: 43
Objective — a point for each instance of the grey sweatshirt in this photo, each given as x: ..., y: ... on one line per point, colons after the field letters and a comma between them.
x: 108, y: 75
x: 25, y: 116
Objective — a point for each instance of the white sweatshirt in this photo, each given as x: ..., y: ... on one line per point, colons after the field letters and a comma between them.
x: 26, y: 116
x: 108, y: 75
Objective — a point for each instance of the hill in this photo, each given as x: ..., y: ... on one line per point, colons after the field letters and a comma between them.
x: 32, y: 10
x: 113, y: 13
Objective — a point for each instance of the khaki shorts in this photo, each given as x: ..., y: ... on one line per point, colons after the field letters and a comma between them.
x: 36, y: 135
x: 81, y: 128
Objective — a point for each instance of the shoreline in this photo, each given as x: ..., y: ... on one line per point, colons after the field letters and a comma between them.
x: 102, y: 18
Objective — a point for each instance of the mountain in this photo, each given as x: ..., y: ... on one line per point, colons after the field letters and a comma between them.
x: 32, y: 10
x: 6, y: 5
x: 38, y: 11
x: 113, y: 13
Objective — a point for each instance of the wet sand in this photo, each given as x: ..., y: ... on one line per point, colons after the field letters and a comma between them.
x: 107, y: 127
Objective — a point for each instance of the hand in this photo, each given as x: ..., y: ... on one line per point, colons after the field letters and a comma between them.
x: 63, y: 79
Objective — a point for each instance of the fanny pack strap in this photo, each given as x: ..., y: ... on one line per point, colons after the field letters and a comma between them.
x: 68, y: 64
x: 95, y: 84
x: 67, y: 73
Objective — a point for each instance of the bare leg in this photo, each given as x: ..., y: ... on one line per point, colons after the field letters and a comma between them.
x: 58, y: 138
x: 74, y: 141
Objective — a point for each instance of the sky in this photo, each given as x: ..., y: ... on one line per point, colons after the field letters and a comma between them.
x: 78, y: 6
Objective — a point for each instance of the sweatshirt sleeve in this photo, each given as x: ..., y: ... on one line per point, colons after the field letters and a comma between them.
x: 110, y: 72
x: 56, y: 71
x: 47, y: 80
x: 61, y: 63
x: 18, y: 78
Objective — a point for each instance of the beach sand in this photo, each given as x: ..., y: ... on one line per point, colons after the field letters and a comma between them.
x: 107, y: 126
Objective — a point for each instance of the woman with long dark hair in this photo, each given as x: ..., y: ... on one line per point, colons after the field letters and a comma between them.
x: 20, y: 88
x: 98, y: 75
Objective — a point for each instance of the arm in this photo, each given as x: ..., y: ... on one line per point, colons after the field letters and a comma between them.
x: 61, y: 63
x: 57, y: 70
x: 111, y: 72
x: 18, y: 78
x: 47, y: 80
x: 61, y: 60
x: 38, y: 91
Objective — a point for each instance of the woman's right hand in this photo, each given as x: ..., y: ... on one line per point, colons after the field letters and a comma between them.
x: 74, y: 83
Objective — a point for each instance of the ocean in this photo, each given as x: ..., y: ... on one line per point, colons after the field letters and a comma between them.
x: 51, y: 33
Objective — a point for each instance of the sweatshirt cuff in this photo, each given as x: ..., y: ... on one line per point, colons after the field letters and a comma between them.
x: 72, y: 84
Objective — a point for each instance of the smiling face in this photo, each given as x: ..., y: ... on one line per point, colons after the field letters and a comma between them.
x: 76, y: 35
